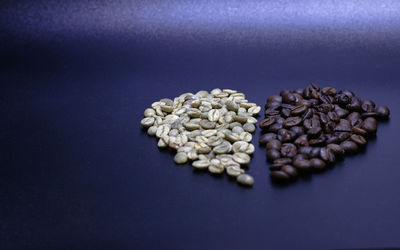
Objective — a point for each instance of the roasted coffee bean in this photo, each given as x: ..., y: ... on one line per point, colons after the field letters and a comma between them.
x: 283, y: 161
x: 369, y: 125
x: 302, y: 165
x: 315, y: 152
x: 300, y: 157
x: 265, y: 138
x: 328, y: 91
x: 341, y: 112
x: 327, y: 155
x: 308, y: 114
x: 298, y: 131
x: 359, y: 139
x: 301, y: 141
x: 383, y: 112
x: 368, y: 114
x: 349, y: 147
x: 280, y: 176
x: 359, y: 131
x: 317, y: 164
x: 292, y: 121
x: 275, y: 127
x: 274, y: 144
x: 320, y: 141
x: 353, y: 118
x: 354, y: 105
x: 285, y: 135
x: 336, y: 149
x: 288, y: 98
x: 288, y: 150
x: 314, y: 132
x: 273, y: 154
x: 333, y: 116
x: 343, y: 136
x: 298, y: 110
x: 264, y: 124
x: 305, y: 150
x: 367, y: 105
x: 290, y: 170
x: 275, y: 166
x: 274, y: 98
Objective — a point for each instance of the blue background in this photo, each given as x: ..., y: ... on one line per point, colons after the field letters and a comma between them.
x: 77, y: 171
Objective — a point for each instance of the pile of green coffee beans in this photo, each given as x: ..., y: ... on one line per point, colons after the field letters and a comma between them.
x: 211, y: 129
x: 309, y: 129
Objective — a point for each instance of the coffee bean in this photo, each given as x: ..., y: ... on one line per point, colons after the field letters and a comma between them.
x: 286, y: 136
x: 328, y: 91
x: 283, y: 161
x: 302, y: 165
x: 327, y: 155
x: 336, y: 149
x: 245, y: 179
x: 265, y: 138
x: 314, y: 132
x: 274, y: 144
x: 288, y: 150
x: 359, y: 131
x: 317, y: 164
x: 298, y: 110
x: 349, y: 147
x: 301, y: 141
x: 290, y: 170
x: 367, y: 105
x: 359, y: 139
x: 305, y: 150
x: 315, y: 152
x: 274, y: 98
x: 292, y: 121
x: 275, y: 127
x: 383, y: 112
x: 280, y: 176
x: 297, y: 130
x: 273, y: 154
x: 300, y: 157
x: 275, y: 166
x: 369, y: 125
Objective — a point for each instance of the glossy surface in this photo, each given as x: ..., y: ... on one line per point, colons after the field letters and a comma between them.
x: 77, y: 171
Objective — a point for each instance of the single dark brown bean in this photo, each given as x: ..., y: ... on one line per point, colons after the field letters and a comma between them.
x: 264, y: 124
x: 383, y: 112
x: 275, y: 127
x: 274, y: 167
x: 273, y: 154
x: 302, y: 165
x: 301, y: 141
x: 332, y: 139
x: 336, y: 149
x: 285, y: 135
x: 298, y: 110
x: 305, y: 150
x: 297, y: 130
x: 288, y: 98
x: 314, y: 132
x: 288, y: 150
x: 292, y: 121
x: 311, y: 123
x: 343, y: 136
x: 272, y: 111
x: 274, y: 98
x: 308, y: 114
x: 359, y: 139
x: 317, y: 164
x: 327, y: 155
x: 355, y: 104
x: 280, y: 176
x: 349, y: 147
x: 369, y: 125
x: 274, y: 144
x: 353, y: 118
x: 283, y: 161
x: 300, y: 157
x: 290, y: 170
x: 367, y: 105
x: 341, y: 112
x: 359, y: 131
x: 315, y: 152
x: 328, y: 91
x: 320, y: 141
x: 265, y: 138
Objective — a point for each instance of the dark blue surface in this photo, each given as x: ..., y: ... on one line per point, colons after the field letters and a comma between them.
x: 78, y: 172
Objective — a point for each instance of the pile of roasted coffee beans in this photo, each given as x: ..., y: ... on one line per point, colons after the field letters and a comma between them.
x: 308, y: 129
x: 211, y: 129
